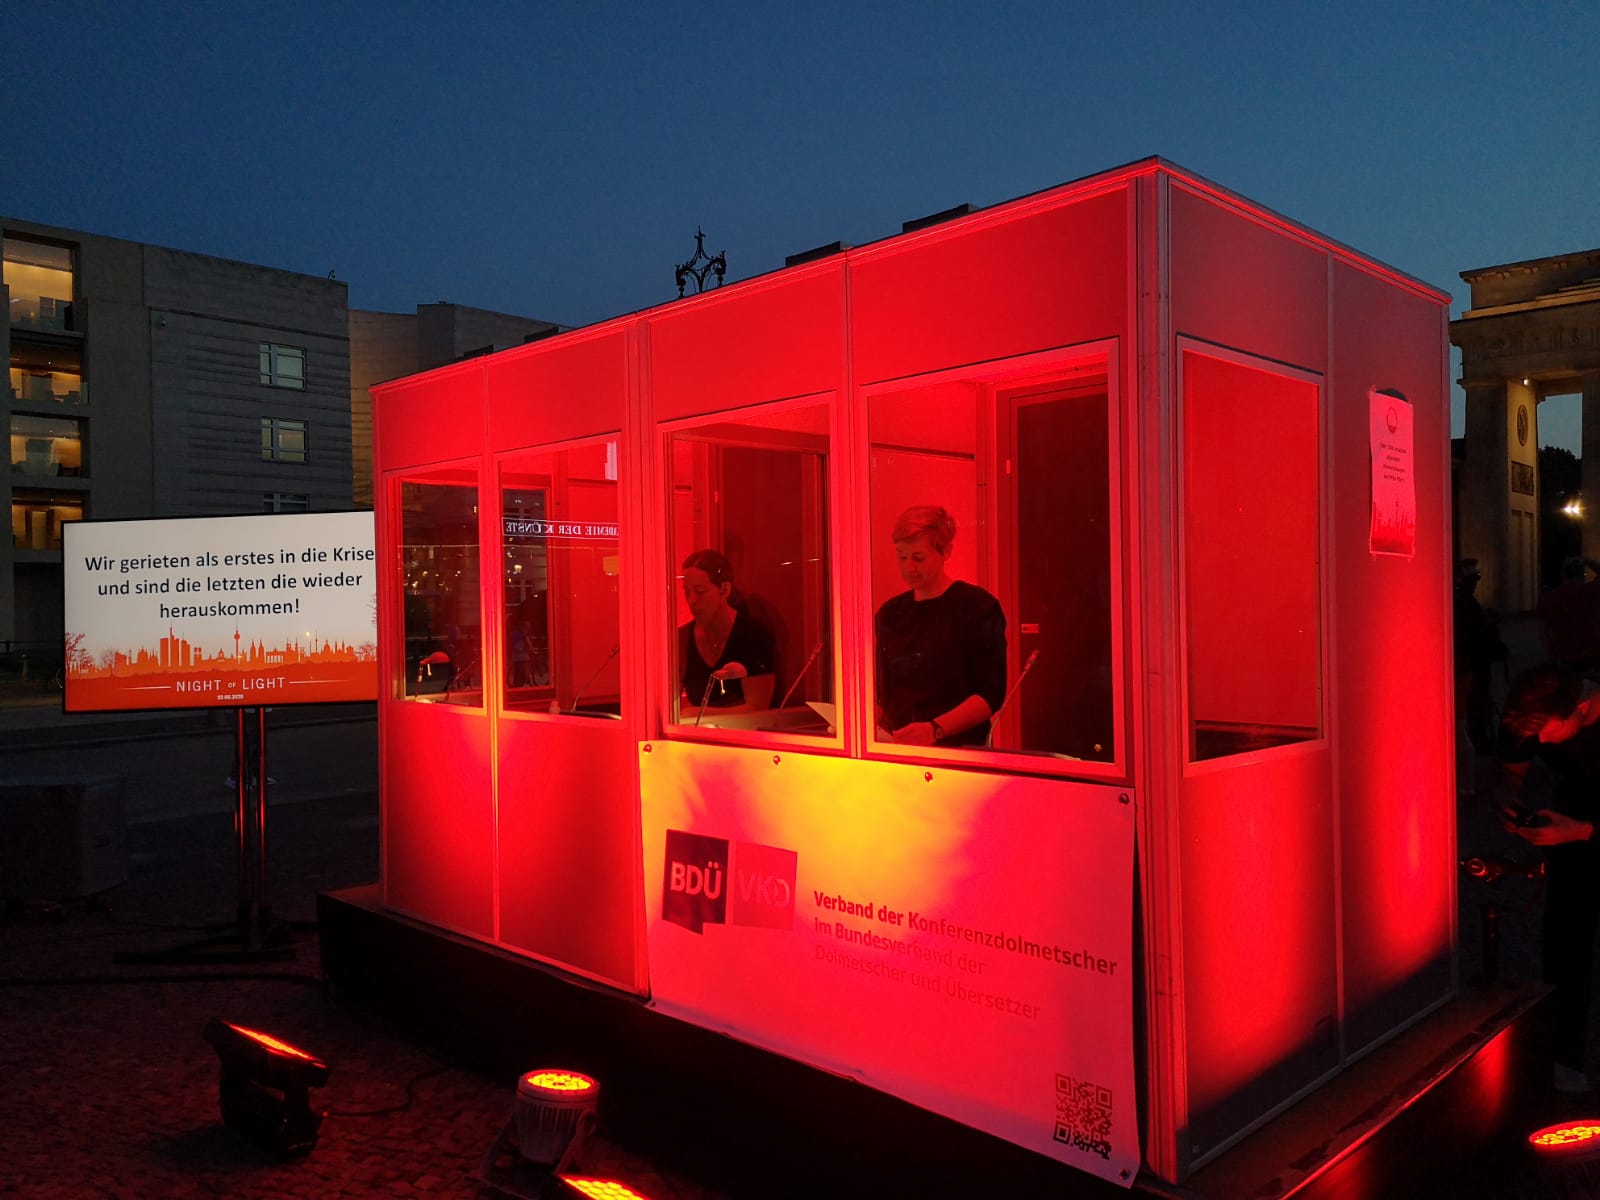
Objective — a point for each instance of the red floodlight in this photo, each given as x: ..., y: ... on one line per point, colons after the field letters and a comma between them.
x: 602, y: 1189
x: 555, y: 1112
x: 1568, y: 1139
x: 266, y: 1082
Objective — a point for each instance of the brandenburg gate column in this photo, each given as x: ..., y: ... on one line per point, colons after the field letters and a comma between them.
x: 1533, y: 330
x: 1590, y: 386
x: 1485, y: 530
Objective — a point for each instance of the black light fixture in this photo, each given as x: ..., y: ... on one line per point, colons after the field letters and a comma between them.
x: 266, y: 1086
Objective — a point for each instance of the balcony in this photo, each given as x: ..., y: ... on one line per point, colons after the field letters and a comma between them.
x: 51, y: 314
x: 37, y: 517
x: 46, y: 447
x: 48, y: 389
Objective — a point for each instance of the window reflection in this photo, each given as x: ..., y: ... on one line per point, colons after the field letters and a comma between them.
x: 990, y: 511
x: 560, y: 580
x: 439, y: 582
x: 751, y: 581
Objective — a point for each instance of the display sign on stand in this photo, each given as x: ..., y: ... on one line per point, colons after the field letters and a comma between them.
x: 222, y: 612
x: 215, y: 612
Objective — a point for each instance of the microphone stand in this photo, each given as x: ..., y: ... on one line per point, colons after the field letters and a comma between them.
x: 994, y: 718
x: 704, y: 699
x: 803, y: 670
x: 615, y: 650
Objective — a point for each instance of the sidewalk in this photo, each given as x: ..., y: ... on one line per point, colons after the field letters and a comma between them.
x: 107, y: 1091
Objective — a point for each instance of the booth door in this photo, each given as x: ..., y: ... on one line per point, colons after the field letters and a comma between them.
x: 1260, y: 949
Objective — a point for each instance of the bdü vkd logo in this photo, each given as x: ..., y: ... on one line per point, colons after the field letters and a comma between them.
x: 763, y: 886
x: 704, y: 885
x: 694, y: 892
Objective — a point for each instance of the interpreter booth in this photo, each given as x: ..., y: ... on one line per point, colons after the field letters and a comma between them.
x: 1201, y: 857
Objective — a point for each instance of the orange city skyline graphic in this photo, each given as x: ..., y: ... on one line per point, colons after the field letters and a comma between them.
x: 178, y: 655
x: 305, y: 669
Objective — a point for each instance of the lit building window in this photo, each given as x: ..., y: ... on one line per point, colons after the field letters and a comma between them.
x: 46, y: 445
x: 52, y: 384
x: 283, y: 440
x: 40, y: 278
x: 282, y: 502
x: 283, y: 366
x: 37, y: 517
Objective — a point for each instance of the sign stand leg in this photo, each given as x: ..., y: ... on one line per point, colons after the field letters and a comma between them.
x: 253, y: 937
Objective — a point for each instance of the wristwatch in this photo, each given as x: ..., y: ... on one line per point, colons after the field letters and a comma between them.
x: 938, y: 732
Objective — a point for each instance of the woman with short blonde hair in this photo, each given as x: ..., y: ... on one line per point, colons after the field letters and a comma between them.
x: 941, y: 647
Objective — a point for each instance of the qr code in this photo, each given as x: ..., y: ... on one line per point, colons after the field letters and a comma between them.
x: 1083, y: 1115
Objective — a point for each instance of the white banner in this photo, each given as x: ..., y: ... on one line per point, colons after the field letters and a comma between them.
x: 961, y: 940
x: 200, y: 612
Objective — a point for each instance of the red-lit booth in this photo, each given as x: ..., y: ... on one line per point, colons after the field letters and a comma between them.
x: 1198, y: 453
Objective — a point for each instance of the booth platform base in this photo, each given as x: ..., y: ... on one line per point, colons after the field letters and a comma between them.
x: 1443, y: 1109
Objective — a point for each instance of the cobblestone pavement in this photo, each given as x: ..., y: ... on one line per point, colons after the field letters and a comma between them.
x: 108, y: 1092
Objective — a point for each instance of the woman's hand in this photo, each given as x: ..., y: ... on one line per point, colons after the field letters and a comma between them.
x: 732, y: 671
x: 1557, y: 830
x: 918, y: 733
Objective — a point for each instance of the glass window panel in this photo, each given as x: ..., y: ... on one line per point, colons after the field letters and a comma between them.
x: 42, y: 446
x: 283, y: 440
x: 47, y: 384
x: 992, y: 565
x: 41, y: 281
x: 439, y: 586
x: 1251, y: 569
x: 561, y: 575
x: 752, y: 574
x: 37, y: 517
x: 282, y: 366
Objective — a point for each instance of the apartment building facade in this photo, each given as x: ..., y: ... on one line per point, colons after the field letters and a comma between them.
x: 150, y: 382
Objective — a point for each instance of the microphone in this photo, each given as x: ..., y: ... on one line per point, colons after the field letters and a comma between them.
x: 1491, y: 868
x: 994, y: 717
x: 615, y: 650
x: 821, y: 641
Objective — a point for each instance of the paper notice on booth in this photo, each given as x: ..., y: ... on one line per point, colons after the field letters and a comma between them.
x: 1394, y: 490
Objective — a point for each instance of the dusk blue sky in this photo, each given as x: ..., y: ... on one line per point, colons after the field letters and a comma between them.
x: 554, y: 160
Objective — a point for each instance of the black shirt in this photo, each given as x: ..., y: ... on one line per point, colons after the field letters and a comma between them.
x: 933, y: 654
x: 749, y: 644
